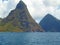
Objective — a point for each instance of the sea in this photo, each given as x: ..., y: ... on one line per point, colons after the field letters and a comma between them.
x: 29, y: 38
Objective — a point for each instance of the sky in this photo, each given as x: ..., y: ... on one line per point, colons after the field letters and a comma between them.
x: 37, y: 8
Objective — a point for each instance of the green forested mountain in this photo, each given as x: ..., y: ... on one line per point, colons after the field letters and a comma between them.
x: 50, y: 24
x: 19, y: 20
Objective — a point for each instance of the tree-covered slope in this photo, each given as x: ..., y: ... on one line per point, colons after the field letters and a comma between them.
x: 20, y: 20
x: 50, y: 24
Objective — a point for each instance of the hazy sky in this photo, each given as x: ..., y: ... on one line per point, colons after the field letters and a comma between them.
x: 37, y: 8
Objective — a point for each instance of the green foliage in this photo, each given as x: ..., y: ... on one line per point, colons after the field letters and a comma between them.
x: 9, y: 28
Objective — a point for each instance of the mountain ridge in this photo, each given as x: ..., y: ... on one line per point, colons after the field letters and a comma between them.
x: 20, y: 20
x: 50, y: 23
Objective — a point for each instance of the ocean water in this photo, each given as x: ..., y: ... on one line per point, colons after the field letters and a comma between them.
x: 29, y: 38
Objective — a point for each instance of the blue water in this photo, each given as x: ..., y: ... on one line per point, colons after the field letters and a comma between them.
x: 37, y: 38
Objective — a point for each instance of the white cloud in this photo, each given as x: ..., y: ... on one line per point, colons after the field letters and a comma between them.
x: 37, y: 8
x: 2, y: 8
x: 55, y: 7
x: 52, y: 2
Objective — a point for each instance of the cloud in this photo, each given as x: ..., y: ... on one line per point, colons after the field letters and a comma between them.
x: 37, y: 8
x: 2, y: 8
x: 55, y: 10
x: 7, y: 6
x: 53, y: 3
x: 40, y: 9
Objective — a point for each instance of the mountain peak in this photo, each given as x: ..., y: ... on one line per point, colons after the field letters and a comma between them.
x: 21, y: 20
x: 50, y: 23
x: 48, y: 15
x: 20, y: 0
x: 21, y: 5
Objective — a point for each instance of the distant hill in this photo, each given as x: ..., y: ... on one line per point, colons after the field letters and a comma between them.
x: 50, y: 23
x: 19, y: 20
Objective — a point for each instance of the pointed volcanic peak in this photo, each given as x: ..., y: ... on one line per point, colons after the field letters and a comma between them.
x: 49, y: 16
x: 21, y: 19
x: 21, y: 5
x: 50, y: 23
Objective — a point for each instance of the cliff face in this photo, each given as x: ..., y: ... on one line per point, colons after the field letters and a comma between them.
x: 19, y: 20
x: 50, y: 23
